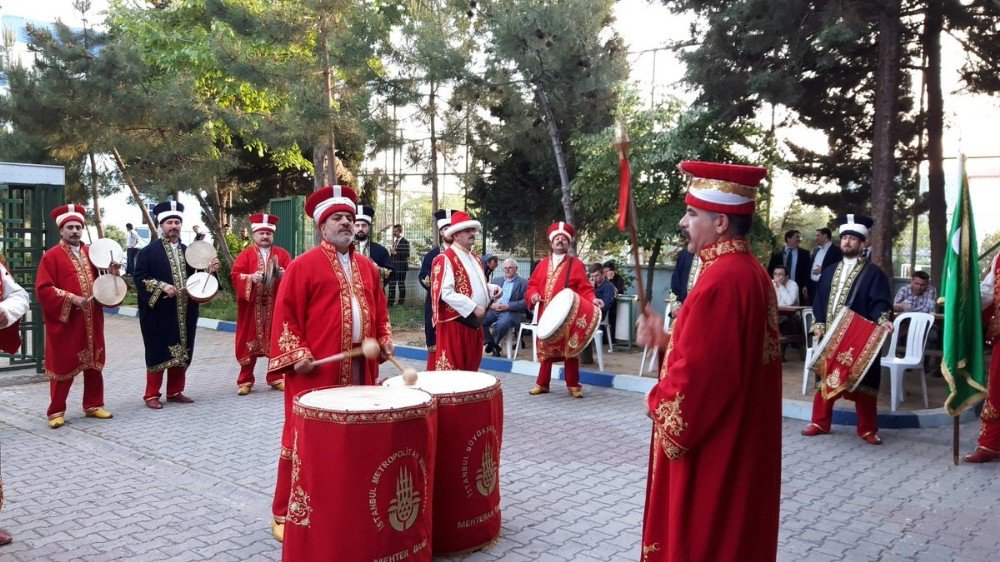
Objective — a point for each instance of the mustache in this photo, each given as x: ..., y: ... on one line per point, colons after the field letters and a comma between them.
x: 684, y: 234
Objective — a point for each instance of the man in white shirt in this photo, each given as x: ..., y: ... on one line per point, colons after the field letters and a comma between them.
x: 131, y: 248
x: 786, y: 289
x: 460, y: 297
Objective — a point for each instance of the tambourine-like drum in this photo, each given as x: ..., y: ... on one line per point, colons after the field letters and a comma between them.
x: 110, y: 290
x: 362, y: 474
x: 104, y: 251
x: 467, y: 470
x: 202, y: 286
x: 200, y: 254
x: 567, y: 325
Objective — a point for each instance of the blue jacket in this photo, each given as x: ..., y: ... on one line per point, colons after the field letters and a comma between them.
x: 606, y: 292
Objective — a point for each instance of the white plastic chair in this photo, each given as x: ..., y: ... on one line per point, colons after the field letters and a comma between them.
x: 596, y: 340
x: 508, y: 344
x: 913, y: 357
x: 605, y: 327
x: 533, y: 328
x: 651, y: 352
x: 808, y: 318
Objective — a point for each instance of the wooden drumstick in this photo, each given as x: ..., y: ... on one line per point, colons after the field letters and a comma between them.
x: 369, y: 348
x: 409, y: 373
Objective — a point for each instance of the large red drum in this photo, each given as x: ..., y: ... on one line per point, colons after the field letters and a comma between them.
x: 467, y: 469
x: 362, y: 475
x: 567, y: 325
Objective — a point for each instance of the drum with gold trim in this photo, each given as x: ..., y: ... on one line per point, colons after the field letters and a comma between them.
x: 362, y: 474
x: 110, y: 290
x: 567, y: 325
x: 202, y: 287
x: 105, y: 251
x: 467, y: 470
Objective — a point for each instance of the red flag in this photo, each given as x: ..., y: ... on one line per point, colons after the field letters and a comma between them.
x: 623, y: 187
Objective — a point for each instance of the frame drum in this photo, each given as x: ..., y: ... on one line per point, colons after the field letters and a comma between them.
x: 104, y: 251
x: 110, y: 290
x: 200, y: 254
x: 362, y: 474
x: 467, y: 469
x: 202, y: 286
x: 567, y: 325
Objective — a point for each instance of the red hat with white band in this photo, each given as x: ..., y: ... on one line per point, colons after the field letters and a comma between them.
x: 66, y: 213
x: 460, y: 221
x: 263, y: 221
x: 331, y: 199
x: 564, y: 228
x: 722, y: 188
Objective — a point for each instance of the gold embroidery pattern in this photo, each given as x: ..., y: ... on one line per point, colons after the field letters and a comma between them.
x: 442, y: 363
x: 550, y: 280
x: 989, y: 412
x: 299, y: 508
x: 993, y: 330
x: 712, y: 252
x: 866, y: 357
x: 178, y: 356
x: 706, y: 184
x: 460, y: 398
x: 670, y: 424
x: 404, y: 508
x: 89, y: 357
x: 846, y: 357
x: 834, y: 304
x: 486, y: 476
x: 772, y: 334
x: 419, y: 411
x: 288, y: 341
x: 649, y: 549
x: 296, y: 460
x: 347, y: 287
x: 693, y: 274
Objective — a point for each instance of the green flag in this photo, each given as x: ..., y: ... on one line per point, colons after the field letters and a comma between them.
x: 962, y: 364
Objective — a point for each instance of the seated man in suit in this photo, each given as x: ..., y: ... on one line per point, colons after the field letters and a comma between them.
x: 508, y: 311
x: 797, y: 263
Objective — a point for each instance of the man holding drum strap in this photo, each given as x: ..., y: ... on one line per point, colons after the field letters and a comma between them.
x: 329, y: 301
x: 715, y: 458
x: 256, y: 276
x: 460, y: 297
x: 74, y: 320
x: 557, y: 272
x: 167, y: 316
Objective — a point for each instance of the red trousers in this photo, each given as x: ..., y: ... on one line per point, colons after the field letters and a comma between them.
x: 175, y: 383
x: 865, y: 405
x: 246, y: 375
x: 459, y: 348
x: 989, y: 433
x: 93, y: 393
x: 571, y: 370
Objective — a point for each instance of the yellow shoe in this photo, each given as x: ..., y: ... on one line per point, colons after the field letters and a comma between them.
x: 576, y: 392
x: 244, y: 390
x: 278, y: 530
x: 538, y: 390
x: 100, y: 413
x: 57, y: 422
x: 279, y: 386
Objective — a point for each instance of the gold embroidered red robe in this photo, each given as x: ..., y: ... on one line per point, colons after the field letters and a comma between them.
x: 715, y: 464
x: 254, y: 303
x: 546, y: 283
x: 459, y: 347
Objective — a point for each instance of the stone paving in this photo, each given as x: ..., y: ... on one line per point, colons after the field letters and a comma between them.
x: 194, y: 482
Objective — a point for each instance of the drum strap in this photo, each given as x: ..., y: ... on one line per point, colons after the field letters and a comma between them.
x: 857, y: 285
x: 569, y: 265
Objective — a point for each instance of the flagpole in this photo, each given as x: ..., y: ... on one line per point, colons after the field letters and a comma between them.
x: 622, y: 145
x: 954, y: 440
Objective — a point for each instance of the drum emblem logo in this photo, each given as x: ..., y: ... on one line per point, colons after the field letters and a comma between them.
x: 403, y: 509
x: 486, y: 477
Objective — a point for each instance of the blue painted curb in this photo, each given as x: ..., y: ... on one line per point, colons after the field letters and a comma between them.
x: 792, y: 409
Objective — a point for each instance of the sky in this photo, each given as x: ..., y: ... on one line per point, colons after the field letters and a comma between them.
x: 971, y: 120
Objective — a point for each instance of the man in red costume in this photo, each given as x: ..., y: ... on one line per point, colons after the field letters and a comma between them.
x: 715, y: 465
x: 988, y: 447
x: 553, y: 274
x: 460, y: 296
x: 256, y: 276
x: 74, y: 320
x: 329, y: 301
x: 13, y: 305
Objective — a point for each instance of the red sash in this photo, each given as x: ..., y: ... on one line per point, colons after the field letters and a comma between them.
x: 848, y: 350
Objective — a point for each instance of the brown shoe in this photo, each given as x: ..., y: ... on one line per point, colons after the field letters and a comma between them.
x: 57, y: 422
x: 5, y: 537
x: 180, y: 399
x: 278, y: 530
x: 99, y: 413
x: 279, y: 386
x: 813, y: 430
x: 982, y: 455
x: 576, y: 392
x: 872, y: 438
x: 538, y: 390
x: 243, y: 390
x: 154, y: 403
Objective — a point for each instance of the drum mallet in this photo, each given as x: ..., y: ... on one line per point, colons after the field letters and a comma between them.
x: 409, y: 373
x: 369, y: 348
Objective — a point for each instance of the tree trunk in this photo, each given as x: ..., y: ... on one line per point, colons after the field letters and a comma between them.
x: 216, y: 227
x: 654, y: 256
x: 331, y: 141
x: 884, y: 137
x: 153, y: 235
x: 567, y: 197
x: 432, y: 109
x: 98, y: 222
x: 937, y: 208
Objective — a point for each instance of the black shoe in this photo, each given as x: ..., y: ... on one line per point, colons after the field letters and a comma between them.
x: 496, y: 351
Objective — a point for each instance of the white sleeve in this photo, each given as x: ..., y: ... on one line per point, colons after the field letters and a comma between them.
x: 461, y: 303
x: 15, y: 301
x: 986, y: 287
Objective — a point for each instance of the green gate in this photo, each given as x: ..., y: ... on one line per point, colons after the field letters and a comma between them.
x: 25, y: 233
x: 295, y: 229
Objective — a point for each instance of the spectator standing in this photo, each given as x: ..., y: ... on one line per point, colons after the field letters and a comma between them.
x: 400, y: 254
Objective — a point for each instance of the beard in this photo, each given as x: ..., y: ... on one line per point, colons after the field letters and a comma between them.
x: 360, y: 236
x: 851, y: 253
x: 340, y: 240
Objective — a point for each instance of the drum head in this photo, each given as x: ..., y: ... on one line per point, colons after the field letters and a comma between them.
x: 363, y: 399
x: 200, y: 254
x: 446, y: 382
x: 202, y: 286
x: 555, y: 313
x: 104, y: 251
x: 110, y: 290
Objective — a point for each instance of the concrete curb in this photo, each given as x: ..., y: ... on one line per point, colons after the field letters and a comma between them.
x: 792, y: 409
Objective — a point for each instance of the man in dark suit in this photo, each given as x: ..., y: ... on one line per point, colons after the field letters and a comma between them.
x: 368, y: 247
x: 508, y: 311
x: 825, y: 254
x: 400, y: 254
x: 687, y: 267
x: 796, y: 261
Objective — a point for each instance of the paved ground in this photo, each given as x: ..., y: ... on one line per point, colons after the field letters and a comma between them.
x: 193, y: 482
